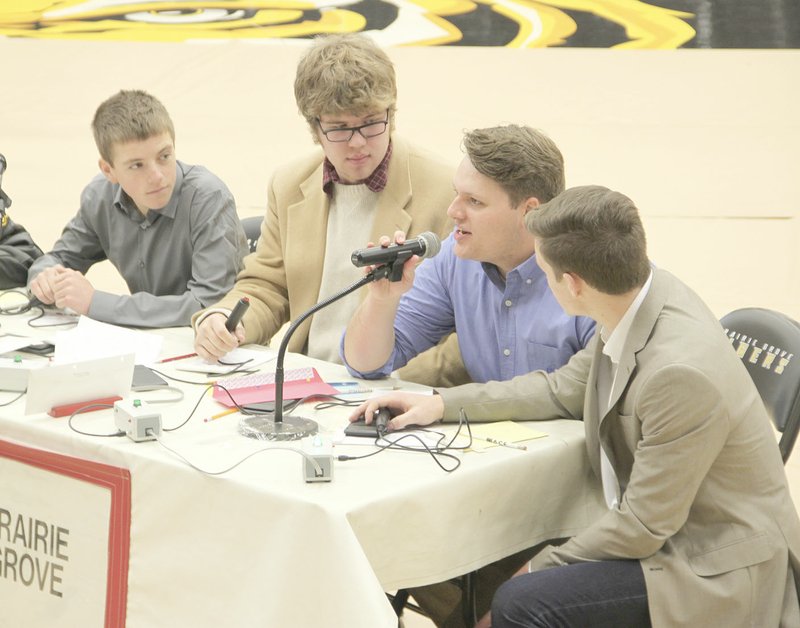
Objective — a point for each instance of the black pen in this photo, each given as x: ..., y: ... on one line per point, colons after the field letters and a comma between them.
x: 236, y: 315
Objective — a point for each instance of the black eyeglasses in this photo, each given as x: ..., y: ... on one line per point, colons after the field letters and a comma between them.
x: 346, y: 133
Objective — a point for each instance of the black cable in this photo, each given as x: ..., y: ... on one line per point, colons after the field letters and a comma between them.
x: 336, y: 401
x: 177, y: 379
x: 30, y: 304
x: 240, y: 408
x: 435, y: 452
x: 165, y: 429
x: 42, y: 314
x: 149, y: 432
x: 17, y: 309
x: 19, y: 396
x: 289, y: 407
x: 191, y: 414
x: 238, y: 366
x: 83, y: 409
x: 203, y: 383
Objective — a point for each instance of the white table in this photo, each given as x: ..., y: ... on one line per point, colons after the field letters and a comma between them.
x: 258, y: 546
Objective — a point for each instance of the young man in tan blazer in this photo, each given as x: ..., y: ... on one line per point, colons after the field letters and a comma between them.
x: 366, y: 181
x: 701, y: 529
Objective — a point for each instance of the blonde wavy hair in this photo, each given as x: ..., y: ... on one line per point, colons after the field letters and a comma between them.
x: 344, y: 74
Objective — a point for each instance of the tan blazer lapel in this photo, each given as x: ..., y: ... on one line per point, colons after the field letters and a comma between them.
x: 307, y: 224
x: 640, y: 331
x: 591, y: 415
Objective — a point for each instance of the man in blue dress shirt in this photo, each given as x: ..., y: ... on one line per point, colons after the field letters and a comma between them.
x: 485, y: 283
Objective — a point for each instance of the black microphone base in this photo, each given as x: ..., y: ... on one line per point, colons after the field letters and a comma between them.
x: 290, y: 428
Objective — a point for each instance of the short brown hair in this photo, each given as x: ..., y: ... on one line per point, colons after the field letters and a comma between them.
x: 595, y: 233
x: 346, y: 73
x: 524, y: 161
x: 127, y: 116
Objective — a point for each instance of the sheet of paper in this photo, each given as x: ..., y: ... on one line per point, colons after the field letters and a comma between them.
x: 92, y: 339
x: 238, y: 359
x: 9, y: 342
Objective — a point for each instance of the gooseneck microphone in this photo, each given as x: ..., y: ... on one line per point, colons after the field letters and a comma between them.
x: 280, y: 427
x: 425, y: 245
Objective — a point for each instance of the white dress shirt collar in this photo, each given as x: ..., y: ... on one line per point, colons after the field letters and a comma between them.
x: 615, y: 342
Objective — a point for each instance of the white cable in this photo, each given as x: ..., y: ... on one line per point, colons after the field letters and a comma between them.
x: 317, y: 469
x: 174, y: 389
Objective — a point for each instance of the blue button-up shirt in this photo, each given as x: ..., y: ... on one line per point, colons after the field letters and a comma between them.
x: 505, y: 327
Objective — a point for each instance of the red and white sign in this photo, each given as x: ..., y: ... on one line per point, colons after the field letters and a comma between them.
x: 64, y: 540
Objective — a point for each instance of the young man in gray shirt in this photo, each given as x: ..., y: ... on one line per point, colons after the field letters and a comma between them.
x: 169, y: 228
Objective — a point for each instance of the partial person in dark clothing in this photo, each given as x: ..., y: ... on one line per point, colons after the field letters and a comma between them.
x: 17, y: 248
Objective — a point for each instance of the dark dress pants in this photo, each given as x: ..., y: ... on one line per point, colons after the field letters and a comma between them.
x: 606, y: 594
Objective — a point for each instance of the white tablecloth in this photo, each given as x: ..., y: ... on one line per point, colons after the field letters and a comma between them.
x: 260, y: 547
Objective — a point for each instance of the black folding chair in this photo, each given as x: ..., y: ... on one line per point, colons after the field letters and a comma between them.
x: 252, y: 230
x: 768, y: 343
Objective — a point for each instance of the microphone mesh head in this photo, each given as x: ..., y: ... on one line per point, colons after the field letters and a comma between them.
x: 432, y: 244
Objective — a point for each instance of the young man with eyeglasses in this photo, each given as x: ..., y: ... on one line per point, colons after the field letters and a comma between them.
x: 366, y: 181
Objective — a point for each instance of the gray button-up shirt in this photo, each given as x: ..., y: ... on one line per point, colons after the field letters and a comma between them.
x: 176, y: 260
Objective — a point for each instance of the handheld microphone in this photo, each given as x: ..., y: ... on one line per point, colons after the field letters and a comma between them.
x: 236, y: 315
x: 425, y: 245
